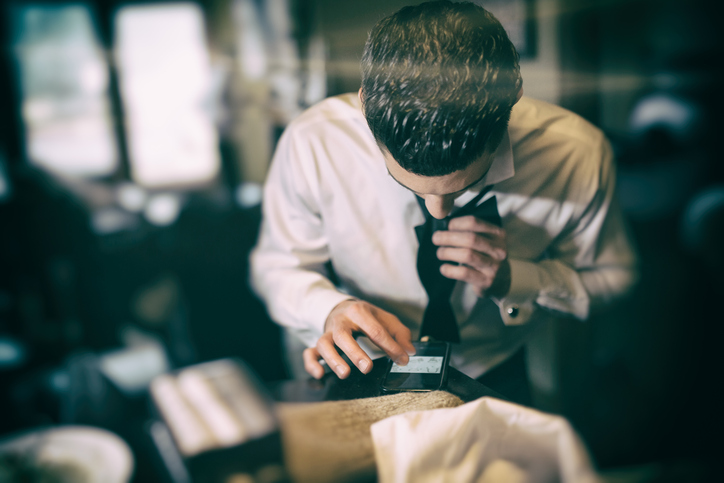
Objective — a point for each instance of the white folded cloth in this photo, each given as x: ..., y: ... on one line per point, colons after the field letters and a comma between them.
x: 487, y: 440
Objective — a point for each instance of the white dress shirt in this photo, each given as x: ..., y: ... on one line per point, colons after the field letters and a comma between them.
x: 329, y: 198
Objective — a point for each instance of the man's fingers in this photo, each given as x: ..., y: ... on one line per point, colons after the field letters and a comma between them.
x: 311, y: 359
x: 379, y: 328
x: 481, y: 280
x: 326, y: 348
x: 467, y: 256
x: 473, y: 241
x: 471, y: 223
x: 382, y: 328
x: 349, y: 346
x: 399, y: 331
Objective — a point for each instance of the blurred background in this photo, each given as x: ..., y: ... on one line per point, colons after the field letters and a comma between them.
x: 135, y: 135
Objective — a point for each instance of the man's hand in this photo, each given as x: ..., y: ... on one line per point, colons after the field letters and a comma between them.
x: 350, y: 318
x: 480, y: 249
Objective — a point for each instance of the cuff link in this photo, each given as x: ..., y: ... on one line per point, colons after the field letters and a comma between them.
x: 513, y: 311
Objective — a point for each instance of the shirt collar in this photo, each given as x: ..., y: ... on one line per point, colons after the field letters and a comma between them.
x: 501, y: 169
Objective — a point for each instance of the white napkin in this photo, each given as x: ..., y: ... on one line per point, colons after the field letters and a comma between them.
x: 487, y: 440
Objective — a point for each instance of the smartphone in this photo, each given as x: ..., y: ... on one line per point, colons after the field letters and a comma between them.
x: 426, y: 371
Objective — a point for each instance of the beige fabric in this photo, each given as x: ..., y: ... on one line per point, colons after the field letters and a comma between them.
x: 331, y: 441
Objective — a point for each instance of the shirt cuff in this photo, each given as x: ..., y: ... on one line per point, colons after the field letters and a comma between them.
x: 517, y: 307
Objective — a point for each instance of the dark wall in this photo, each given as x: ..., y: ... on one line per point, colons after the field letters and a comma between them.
x: 646, y: 388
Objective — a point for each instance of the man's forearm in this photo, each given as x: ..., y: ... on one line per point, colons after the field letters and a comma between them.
x: 295, y: 297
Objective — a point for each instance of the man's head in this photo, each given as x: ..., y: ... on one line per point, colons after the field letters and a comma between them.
x: 438, y: 83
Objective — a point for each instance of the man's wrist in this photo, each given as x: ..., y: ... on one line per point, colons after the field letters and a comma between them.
x: 519, y: 303
x: 502, y: 282
x: 339, y: 306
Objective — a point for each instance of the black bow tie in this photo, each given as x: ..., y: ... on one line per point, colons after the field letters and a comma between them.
x: 439, y: 321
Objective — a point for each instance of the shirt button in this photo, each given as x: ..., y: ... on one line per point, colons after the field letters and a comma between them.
x: 513, y: 311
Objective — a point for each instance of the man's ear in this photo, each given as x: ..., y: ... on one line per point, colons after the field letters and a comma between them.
x: 359, y: 94
x: 517, y: 98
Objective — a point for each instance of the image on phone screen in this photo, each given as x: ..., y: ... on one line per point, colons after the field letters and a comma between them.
x: 423, y: 364
x: 425, y: 371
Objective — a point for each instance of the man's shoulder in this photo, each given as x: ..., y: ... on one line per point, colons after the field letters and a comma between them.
x: 326, y: 133
x: 556, y: 150
x: 551, y: 123
x: 335, y: 110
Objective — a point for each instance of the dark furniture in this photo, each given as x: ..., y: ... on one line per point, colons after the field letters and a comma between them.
x: 358, y: 385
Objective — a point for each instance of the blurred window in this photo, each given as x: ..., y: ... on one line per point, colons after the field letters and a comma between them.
x: 165, y: 82
x: 63, y: 78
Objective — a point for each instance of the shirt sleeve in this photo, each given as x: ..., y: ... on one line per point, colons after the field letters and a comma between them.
x: 587, y: 267
x: 288, y: 264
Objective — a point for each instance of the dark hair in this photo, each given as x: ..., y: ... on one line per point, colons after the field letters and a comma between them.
x: 438, y: 83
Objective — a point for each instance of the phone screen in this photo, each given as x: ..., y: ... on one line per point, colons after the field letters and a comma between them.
x: 422, y: 364
x: 426, y: 370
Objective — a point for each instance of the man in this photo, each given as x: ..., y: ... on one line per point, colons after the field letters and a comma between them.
x: 439, y: 120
